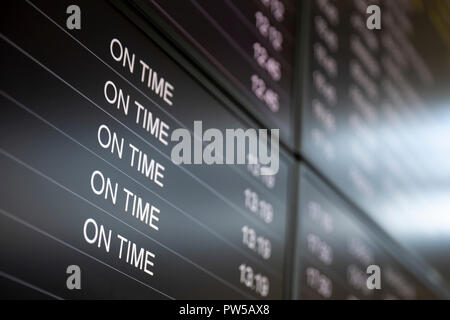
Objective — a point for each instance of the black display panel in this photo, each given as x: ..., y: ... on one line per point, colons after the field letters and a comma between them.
x: 246, y: 46
x: 73, y: 142
x: 335, y: 247
x: 375, y: 119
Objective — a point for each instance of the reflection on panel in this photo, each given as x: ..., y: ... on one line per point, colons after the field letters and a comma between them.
x: 335, y: 248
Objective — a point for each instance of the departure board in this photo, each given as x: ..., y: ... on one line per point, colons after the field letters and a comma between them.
x: 375, y: 115
x: 96, y: 114
x: 335, y: 247
x: 87, y: 178
x: 250, y: 45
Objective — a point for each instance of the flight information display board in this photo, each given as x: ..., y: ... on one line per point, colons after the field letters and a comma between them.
x: 375, y: 115
x: 335, y: 247
x: 249, y: 45
x: 86, y: 173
